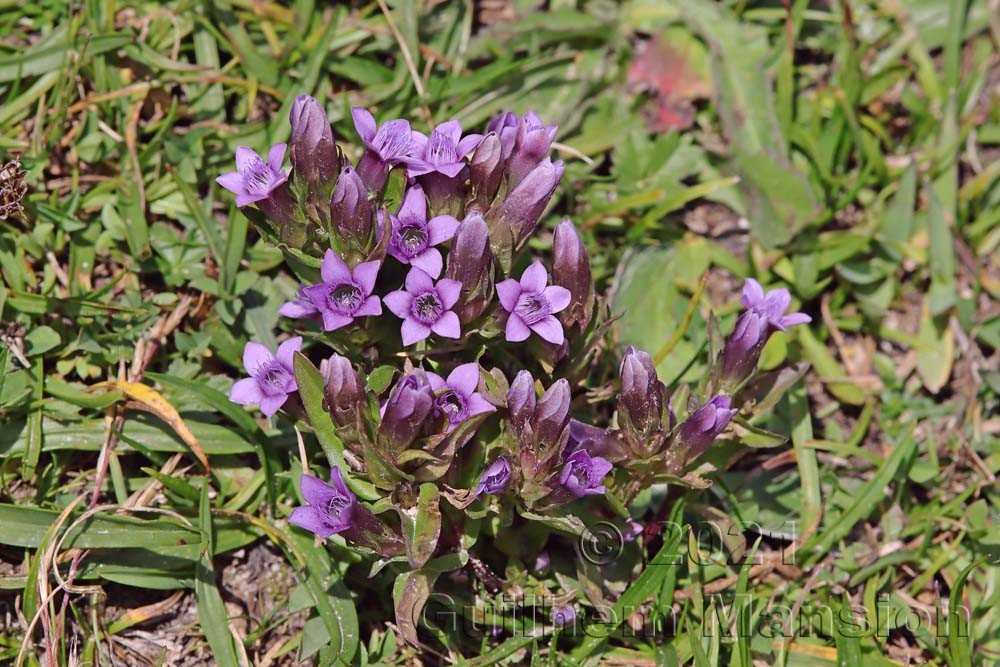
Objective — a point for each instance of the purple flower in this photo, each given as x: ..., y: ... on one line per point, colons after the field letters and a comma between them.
x: 387, y: 145
x: 563, y: 615
x: 699, y: 430
x: 522, y: 207
x: 521, y: 403
x: 413, y: 237
x: 272, y: 377
x: 506, y: 125
x: 640, y: 403
x: 456, y: 397
x: 582, y: 475
x: 534, y: 141
x: 392, y: 143
x: 765, y: 314
x: 342, y: 296
x: 486, y: 170
x: 531, y: 305
x: 350, y: 211
x: 406, y: 410
x: 495, y: 478
x: 254, y: 179
x: 425, y: 307
x: 469, y: 262
x: 343, y: 389
x: 331, y: 506
x: 313, y: 151
x: 571, y: 269
x: 443, y: 152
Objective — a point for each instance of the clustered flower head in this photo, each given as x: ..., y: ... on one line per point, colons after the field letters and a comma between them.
x: 469, y: 378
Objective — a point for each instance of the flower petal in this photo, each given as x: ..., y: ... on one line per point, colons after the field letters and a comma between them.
x: 337, y: 482
x: 430, y: 261
x: 245, y: 156
x: 315, y: 490
x: 753, y: 294
x: 448, y: 290
x: 441, y: 229
x: 364, y: 123
x: 309, y: 518
x: 270, y: 404
x: 365, y: 274
x: 418, y: 281
x: 465, y: 378
x: 414, y: 204
x: 334, y: 270
x: 450, y: 169
x: 468, y: 144
x: 246, y: 392
x: 549, y: 329
x: 509, y: 291
x: 516, y: 330
x: 558, y: 297
x: 275, y: 157
x: 287, y: 350
x: 793, y: 319
x: 333, y: 321
x: 447, y: 325
x: 477, y: 405
x: 399, y: 303
x: 451, y: 129
x: 534, y: 277
x: 413, y: 331
x: 233, y: 182
x: 256, y: 355
x: 298, y: 309
x: 372, y: 306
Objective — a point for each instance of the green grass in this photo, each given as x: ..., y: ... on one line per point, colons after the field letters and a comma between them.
x: 846, y: 150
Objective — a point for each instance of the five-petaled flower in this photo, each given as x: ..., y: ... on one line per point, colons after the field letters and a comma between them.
x: 443, y: 152
x: 413, y: 236
x: 583, y: 475
x: 392, y: 142
x: 272, y: 377
x: 531, y: 304
x: 254, y: 179
x: 425, y: 307
x: 343, y: 295
x: 456, y: 398
x: 495, y: 478
x: 331, y: 506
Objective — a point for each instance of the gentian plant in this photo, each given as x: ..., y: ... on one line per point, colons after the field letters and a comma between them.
x: 453, y: 417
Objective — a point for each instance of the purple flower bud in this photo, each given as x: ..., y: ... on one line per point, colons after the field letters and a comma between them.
x: 563, y: 616
x: 552, y: 413
x: 597, y: 441
x: 456, y: 398
x: 343, y: 389
x: 532, y: 305
x: 542, y: 563
x: 486, y: 170
x: 469, y: 263
x: 765, y: 314
x: 387, y: 145
x: 406, y: 411
x: 534, y: 141
x: 523, y: 206
x: 413, y: 236
x: 331, y: 506
x: 255, y: 180
x: 272, y: 377
x: 495, y: 478
x: 699, y: 430
x: 426, y: 307
x: 350, y: 211
x: 521, y: 402
x: 344, y: 294
x: 583, y: 475
x: 640, y: 402
x: 312, y: 149
x: 505, y: 126
x: 571, y: 269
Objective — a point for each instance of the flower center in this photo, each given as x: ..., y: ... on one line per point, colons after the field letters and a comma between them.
x: 582, y: 474
x: 336, y: 505
x: 411, y: 238
x: 345, y: 298
x: 257, y: 176
x: 532, y: 307
x: 452, y: 404
x: 440, y: 149
x: 273, y: 378
x: 426, y: 308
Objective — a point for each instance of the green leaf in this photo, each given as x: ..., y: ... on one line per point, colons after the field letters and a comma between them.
x: 212, y: 616
x: 422, y: 525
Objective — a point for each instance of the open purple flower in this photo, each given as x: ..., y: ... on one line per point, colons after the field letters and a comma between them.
x: 582, y: 475
x: 342, y: 296
x: 413, y: 236
x: 704, y: 425
x: 443, y: 152
x: 764, y: 315
x: 331, y: 506
x: 272, y: 377
x: 531, y: 305
x: 392, y: 143
x: 495, y: 478
x: 456, y: 397
x: 254, y: 179
x: 425, y: 307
